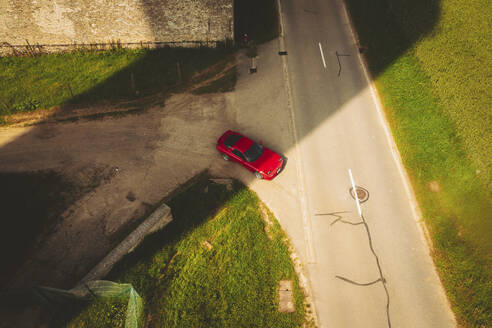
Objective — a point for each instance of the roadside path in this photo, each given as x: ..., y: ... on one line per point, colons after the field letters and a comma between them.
x: 369, y: 271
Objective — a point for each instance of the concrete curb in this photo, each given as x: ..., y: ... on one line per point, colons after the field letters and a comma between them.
x: 161, y: 217
x: 313, y: 319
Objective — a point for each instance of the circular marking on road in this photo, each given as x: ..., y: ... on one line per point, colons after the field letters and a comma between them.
x: 362, y: 193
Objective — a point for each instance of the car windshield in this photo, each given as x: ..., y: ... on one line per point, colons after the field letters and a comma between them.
x: 231, y: 140
x: 254, y: 152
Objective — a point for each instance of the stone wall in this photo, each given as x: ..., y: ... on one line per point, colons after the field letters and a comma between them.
x: 65, y: 22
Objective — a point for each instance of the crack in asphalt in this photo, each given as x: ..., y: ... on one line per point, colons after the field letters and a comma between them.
x: 381, y: 277
x: 358, y: 283
x: 346, y: 222
x: 335, y: 214
x: 311, y: 11
x: 339, y: 218
x: 339, y: 63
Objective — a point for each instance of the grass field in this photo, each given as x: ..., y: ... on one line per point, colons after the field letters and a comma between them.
x: 84, y: 77
x: 435, y: 89
x: 213, y: 266
x: 457, y: 58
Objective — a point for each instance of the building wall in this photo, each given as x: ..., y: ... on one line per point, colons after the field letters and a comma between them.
x: 55, y: 22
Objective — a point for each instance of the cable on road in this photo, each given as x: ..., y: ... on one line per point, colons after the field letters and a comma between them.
x: 339, y: 218
x: 346, y: 222
x: 381, y: 277
x: 340, y: 64
x: 358, y: 283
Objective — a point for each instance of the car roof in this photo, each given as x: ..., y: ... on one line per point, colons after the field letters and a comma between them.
x: 243, y: 144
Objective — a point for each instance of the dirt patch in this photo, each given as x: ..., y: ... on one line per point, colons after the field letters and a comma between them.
x: 206, y: 81
x: 266, y: 218
x: 61, y: 114
x: 32, y: 203
x: 131, y: 196
x: 79, y: 187
x: 29, y: 206
x: 434, y: 186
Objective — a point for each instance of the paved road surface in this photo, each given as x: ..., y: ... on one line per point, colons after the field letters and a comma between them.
x: 338, y: 127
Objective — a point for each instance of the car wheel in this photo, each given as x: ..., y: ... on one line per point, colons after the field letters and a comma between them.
x: 227, y: 158
x: 258, y: 175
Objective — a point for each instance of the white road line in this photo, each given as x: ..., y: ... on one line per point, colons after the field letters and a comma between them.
x: 355, y: 192
x: 322, y: 55
x: 414, y: 206
x: 382, y: 120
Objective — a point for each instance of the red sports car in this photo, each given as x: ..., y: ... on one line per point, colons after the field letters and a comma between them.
x: 265, y: 163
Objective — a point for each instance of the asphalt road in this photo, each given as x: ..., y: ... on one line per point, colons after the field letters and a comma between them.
x: 336, y: 125
x: 374, y: 271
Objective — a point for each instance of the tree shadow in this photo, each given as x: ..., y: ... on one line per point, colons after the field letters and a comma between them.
x: 32, y: 204
x: 157, y: 71
x: 399, y: 24
x: 192, y: 203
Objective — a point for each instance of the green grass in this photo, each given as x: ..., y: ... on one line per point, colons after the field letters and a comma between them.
x: 233, y: 284
x: 429, y: 91
x: 110, y: 313
x: 457, y: 216
x: 456, y: 56
x: 28, y: 83
x: 86, y: 77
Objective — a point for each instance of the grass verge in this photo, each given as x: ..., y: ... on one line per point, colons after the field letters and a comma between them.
x: 86, y: 77
x: 454, y: 194
x: 213, y: 266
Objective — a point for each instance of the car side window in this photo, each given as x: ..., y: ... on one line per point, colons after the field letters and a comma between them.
x: 238, y: 154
